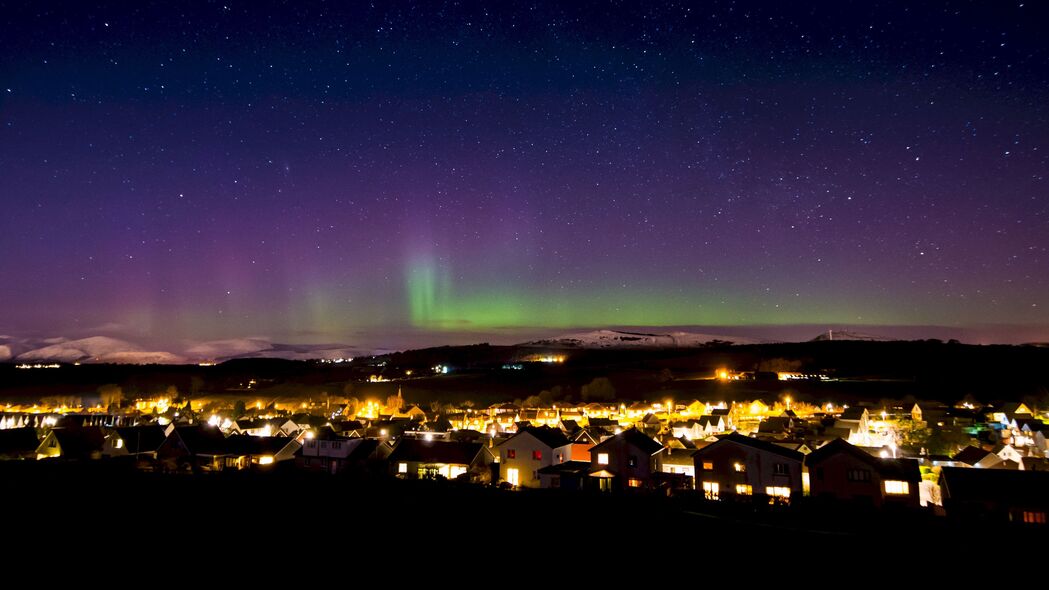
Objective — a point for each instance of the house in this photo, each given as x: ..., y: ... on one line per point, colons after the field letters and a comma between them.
x: 777, y: 425
x: 75, y: 443
x: 996, y: 494
x: 1008, y: 453
x: 18, y: 443
x: 522, y: 455
x: 260, y: 450
x: 349, y: 428
x: 679, y: 461
x: 741, y: 467
x: 916, y: 413
x: 626, y: 460
x: 1034, y: 464
x: 259, y: 427
x: 857, y: 421
x: 603, y: 423
x: 977, y: 457
x: 842, y: 472
x: 570, y: 475
x: 1009, y: 412
x: 213, y: 452
x: 694, y: 408
x: 423, y: 459
x: 139, y: 441
x: 334, y: 454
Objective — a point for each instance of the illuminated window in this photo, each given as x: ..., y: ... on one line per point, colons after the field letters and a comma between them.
x: 513, y: 476
x: 899, y: 488
x: 634, y: 483
x: 744, y: 489
x: 455, y: 471
x: 602, y: 458
x: 537, y: 455
x: 511, y: 454
x: 402, y: 468
x: 861, y: 475
x: 265, y: 460
x: 1034, y: 517
x: 710, y: 490
x: 779, y: 468
x: 560, y: 458
x: 739, y: 467
x: 777, y: 493
x: 708, y: 466
x: 120, y: 443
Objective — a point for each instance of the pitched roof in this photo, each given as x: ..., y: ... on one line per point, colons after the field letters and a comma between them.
x: 201, y: 440
x: 711, y: 420
x: 79, y: 442
x: 1009, y: 487
x: 635, y: 438
x: 551, y: 437
x: 971, y: 455
x: 853, y: 413
x: 678, y: 457
x: 142, y: 439
x: 569, y: 467
x: 18, y: 441
x: 423, y: 451
x: 746, y: 441
x: 902, y: 469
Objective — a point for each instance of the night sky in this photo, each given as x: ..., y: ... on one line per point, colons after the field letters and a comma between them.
x: 407, y: 172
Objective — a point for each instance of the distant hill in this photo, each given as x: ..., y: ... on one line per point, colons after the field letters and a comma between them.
x: 105, y: 349
x: 620, y: 339
x: 830, y: 335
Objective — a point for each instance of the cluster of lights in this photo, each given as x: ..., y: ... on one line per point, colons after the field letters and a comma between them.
x: 38, y: 366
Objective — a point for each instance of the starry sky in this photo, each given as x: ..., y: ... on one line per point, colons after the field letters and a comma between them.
x: 399, y: 172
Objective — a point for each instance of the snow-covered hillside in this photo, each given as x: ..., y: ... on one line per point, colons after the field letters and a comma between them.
x: 619, y: 339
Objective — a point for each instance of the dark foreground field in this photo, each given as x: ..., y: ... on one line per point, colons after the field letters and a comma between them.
x: 288, y: 519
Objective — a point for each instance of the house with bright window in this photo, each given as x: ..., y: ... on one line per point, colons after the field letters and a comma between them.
x: 413, y: 458
x: 1003, y: 495
x: 740, y: 467
x: 627, y: 460
x: 532, y: 448
x: 845, y: 473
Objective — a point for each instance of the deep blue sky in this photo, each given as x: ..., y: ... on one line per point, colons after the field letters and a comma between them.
x: 405, y: 170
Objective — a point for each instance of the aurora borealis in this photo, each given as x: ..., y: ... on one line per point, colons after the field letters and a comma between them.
x: 414, y: 171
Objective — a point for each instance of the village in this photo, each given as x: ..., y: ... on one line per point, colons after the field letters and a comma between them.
x: 963, y: 460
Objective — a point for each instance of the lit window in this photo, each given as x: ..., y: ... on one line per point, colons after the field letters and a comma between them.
x: 708, y: 466
x: 739, y: 467
x: 602, y: 458
x: 710, y: 490
x: 634, y: 483
x: 537, y: 455
x: 1034, y: 517
x: 775, y: 493
x: 899, y: 488
x: 402, y: 468
x: 265, y: 460
x: 744, y: 489
x: 511, y: 454
x: 120, y: 443
x: 560, y: 458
